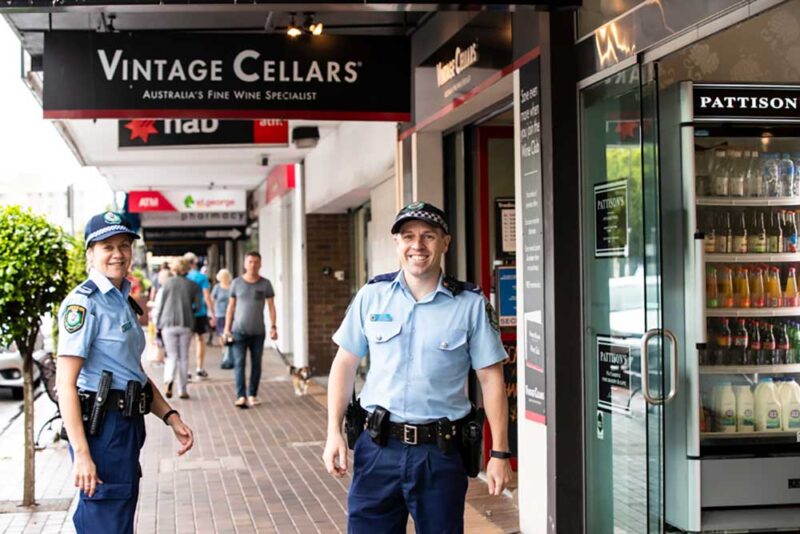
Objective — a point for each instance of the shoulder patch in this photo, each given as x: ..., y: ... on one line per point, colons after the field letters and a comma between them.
x: 87, y: 288
x: 388, y: 277
x: 491, y: 314
x: 457, y: 286
x: 74, y: 318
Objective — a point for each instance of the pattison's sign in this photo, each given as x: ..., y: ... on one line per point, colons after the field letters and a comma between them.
x: 746, y: 102
x: 175, y: 75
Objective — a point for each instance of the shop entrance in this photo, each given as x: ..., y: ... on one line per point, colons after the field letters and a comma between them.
x: 625, y: 345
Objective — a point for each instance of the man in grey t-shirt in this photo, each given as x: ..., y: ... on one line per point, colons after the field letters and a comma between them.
x: 244, y: 319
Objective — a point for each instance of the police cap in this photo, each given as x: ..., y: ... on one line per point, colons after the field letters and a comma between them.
x: 105, y: 225
x: 421, y: 211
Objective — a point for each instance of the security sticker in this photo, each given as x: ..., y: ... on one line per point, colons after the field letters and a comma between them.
x: 74, y: 318
x: 492, y: 315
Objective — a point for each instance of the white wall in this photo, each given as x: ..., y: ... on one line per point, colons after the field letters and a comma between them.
x: 274, y: 244
x: 347, y: 164
x: 383, y: 201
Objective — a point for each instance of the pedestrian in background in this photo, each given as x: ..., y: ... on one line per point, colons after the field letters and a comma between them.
x: 423, y: 331
x: 244, y: 319
x: 100, y: 346
x: 220, y: 296
x: 175, y: 306
x: 204, y: 316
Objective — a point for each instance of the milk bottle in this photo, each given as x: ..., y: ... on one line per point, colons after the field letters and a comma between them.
x: 768, y: 408
x: 745, y: 409
x: 790, y: 404
x: 725, y: 408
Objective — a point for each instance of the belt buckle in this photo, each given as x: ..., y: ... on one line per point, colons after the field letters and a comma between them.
x: 409, y: 429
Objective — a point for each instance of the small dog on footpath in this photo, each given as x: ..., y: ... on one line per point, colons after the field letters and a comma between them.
x: 300, y: 377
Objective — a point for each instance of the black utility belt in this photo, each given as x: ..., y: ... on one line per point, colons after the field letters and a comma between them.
x: 417, y: 434
x: 117, y: 399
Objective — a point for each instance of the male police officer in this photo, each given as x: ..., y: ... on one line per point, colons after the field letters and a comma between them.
x: 423, y: 331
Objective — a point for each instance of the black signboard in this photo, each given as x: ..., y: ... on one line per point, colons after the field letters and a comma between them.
x: 746, y: 102
x: 613, y: 375
x: 146, y: 133
x: 532, y: 239
x: 611, y: 219
x: 179, y: 75
x: 478, y: 52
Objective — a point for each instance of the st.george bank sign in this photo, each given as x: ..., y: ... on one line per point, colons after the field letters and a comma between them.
x: 212, y: 200
x: 176, y: 75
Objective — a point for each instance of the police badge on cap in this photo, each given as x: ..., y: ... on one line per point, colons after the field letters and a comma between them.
x: 421, y: 211
x: 105, y: 225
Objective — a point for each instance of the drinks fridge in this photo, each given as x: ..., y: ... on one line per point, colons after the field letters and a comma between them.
x: 732, y: 440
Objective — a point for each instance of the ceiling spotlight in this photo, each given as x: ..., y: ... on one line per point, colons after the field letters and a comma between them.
x: 292, y: 30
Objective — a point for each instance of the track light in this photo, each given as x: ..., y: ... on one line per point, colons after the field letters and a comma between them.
x: 309, y: 26
x: 292, y: 30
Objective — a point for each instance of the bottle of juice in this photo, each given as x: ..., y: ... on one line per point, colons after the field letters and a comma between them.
x: 742, y: 289
x: 712, y: 288
x: 725, y: 294
x: 756, y: 288
x: 774, y: 295
x: 710, y: 239
x: 790, y: 297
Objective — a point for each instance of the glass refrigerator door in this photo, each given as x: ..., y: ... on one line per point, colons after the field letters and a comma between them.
x: 746, y: 196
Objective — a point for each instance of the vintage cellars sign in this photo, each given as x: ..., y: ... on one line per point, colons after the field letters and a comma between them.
x: 176, y: 75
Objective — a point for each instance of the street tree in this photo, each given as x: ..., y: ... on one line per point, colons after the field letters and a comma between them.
x: 33, y: 278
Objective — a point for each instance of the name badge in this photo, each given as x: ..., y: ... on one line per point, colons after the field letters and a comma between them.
x: 380, y: 317
x: 126, y: 326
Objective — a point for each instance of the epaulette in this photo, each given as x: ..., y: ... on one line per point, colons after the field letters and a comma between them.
x: 135, y: 305
x: 388, y: 277
x: 457, y: 286
x: 87, y: 288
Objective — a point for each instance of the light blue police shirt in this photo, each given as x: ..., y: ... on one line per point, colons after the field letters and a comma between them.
x: 420, y: 351
x: 100, y: 326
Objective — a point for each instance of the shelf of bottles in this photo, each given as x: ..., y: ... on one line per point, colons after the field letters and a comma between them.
x: 748, y: 209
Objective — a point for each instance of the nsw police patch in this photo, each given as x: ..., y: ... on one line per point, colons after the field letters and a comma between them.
x: 74, y: 318
x: 491, y: 314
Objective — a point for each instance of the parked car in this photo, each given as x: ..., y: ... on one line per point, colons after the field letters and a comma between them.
x: 11, y: 367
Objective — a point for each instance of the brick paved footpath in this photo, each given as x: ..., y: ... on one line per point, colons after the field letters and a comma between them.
x: 250, y: 471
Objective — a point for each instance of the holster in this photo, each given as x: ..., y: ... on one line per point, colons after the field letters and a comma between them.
x: 100, y: 404
x: 354, y: 420
x: 378, y: 426
x: 472, y: 441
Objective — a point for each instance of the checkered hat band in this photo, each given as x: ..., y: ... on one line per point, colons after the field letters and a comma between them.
x: 425, y: 215
x: 106, y: 229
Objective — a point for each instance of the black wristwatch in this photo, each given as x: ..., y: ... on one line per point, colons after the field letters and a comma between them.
x: 165, y: 417
x: 503, y: 455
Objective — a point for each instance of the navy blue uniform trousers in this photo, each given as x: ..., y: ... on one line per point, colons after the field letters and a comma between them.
x: 392, y: 481
x: 115, y: 453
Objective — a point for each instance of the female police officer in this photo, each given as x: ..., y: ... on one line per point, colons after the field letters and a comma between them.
x: 103, y: 390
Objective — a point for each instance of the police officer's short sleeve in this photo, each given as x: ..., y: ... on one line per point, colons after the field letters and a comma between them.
x: 485, y: 347
x: 350, y: 335
x: 77, y: 326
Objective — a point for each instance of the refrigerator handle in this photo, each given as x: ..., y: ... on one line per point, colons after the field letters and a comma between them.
x: 673, y: 375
